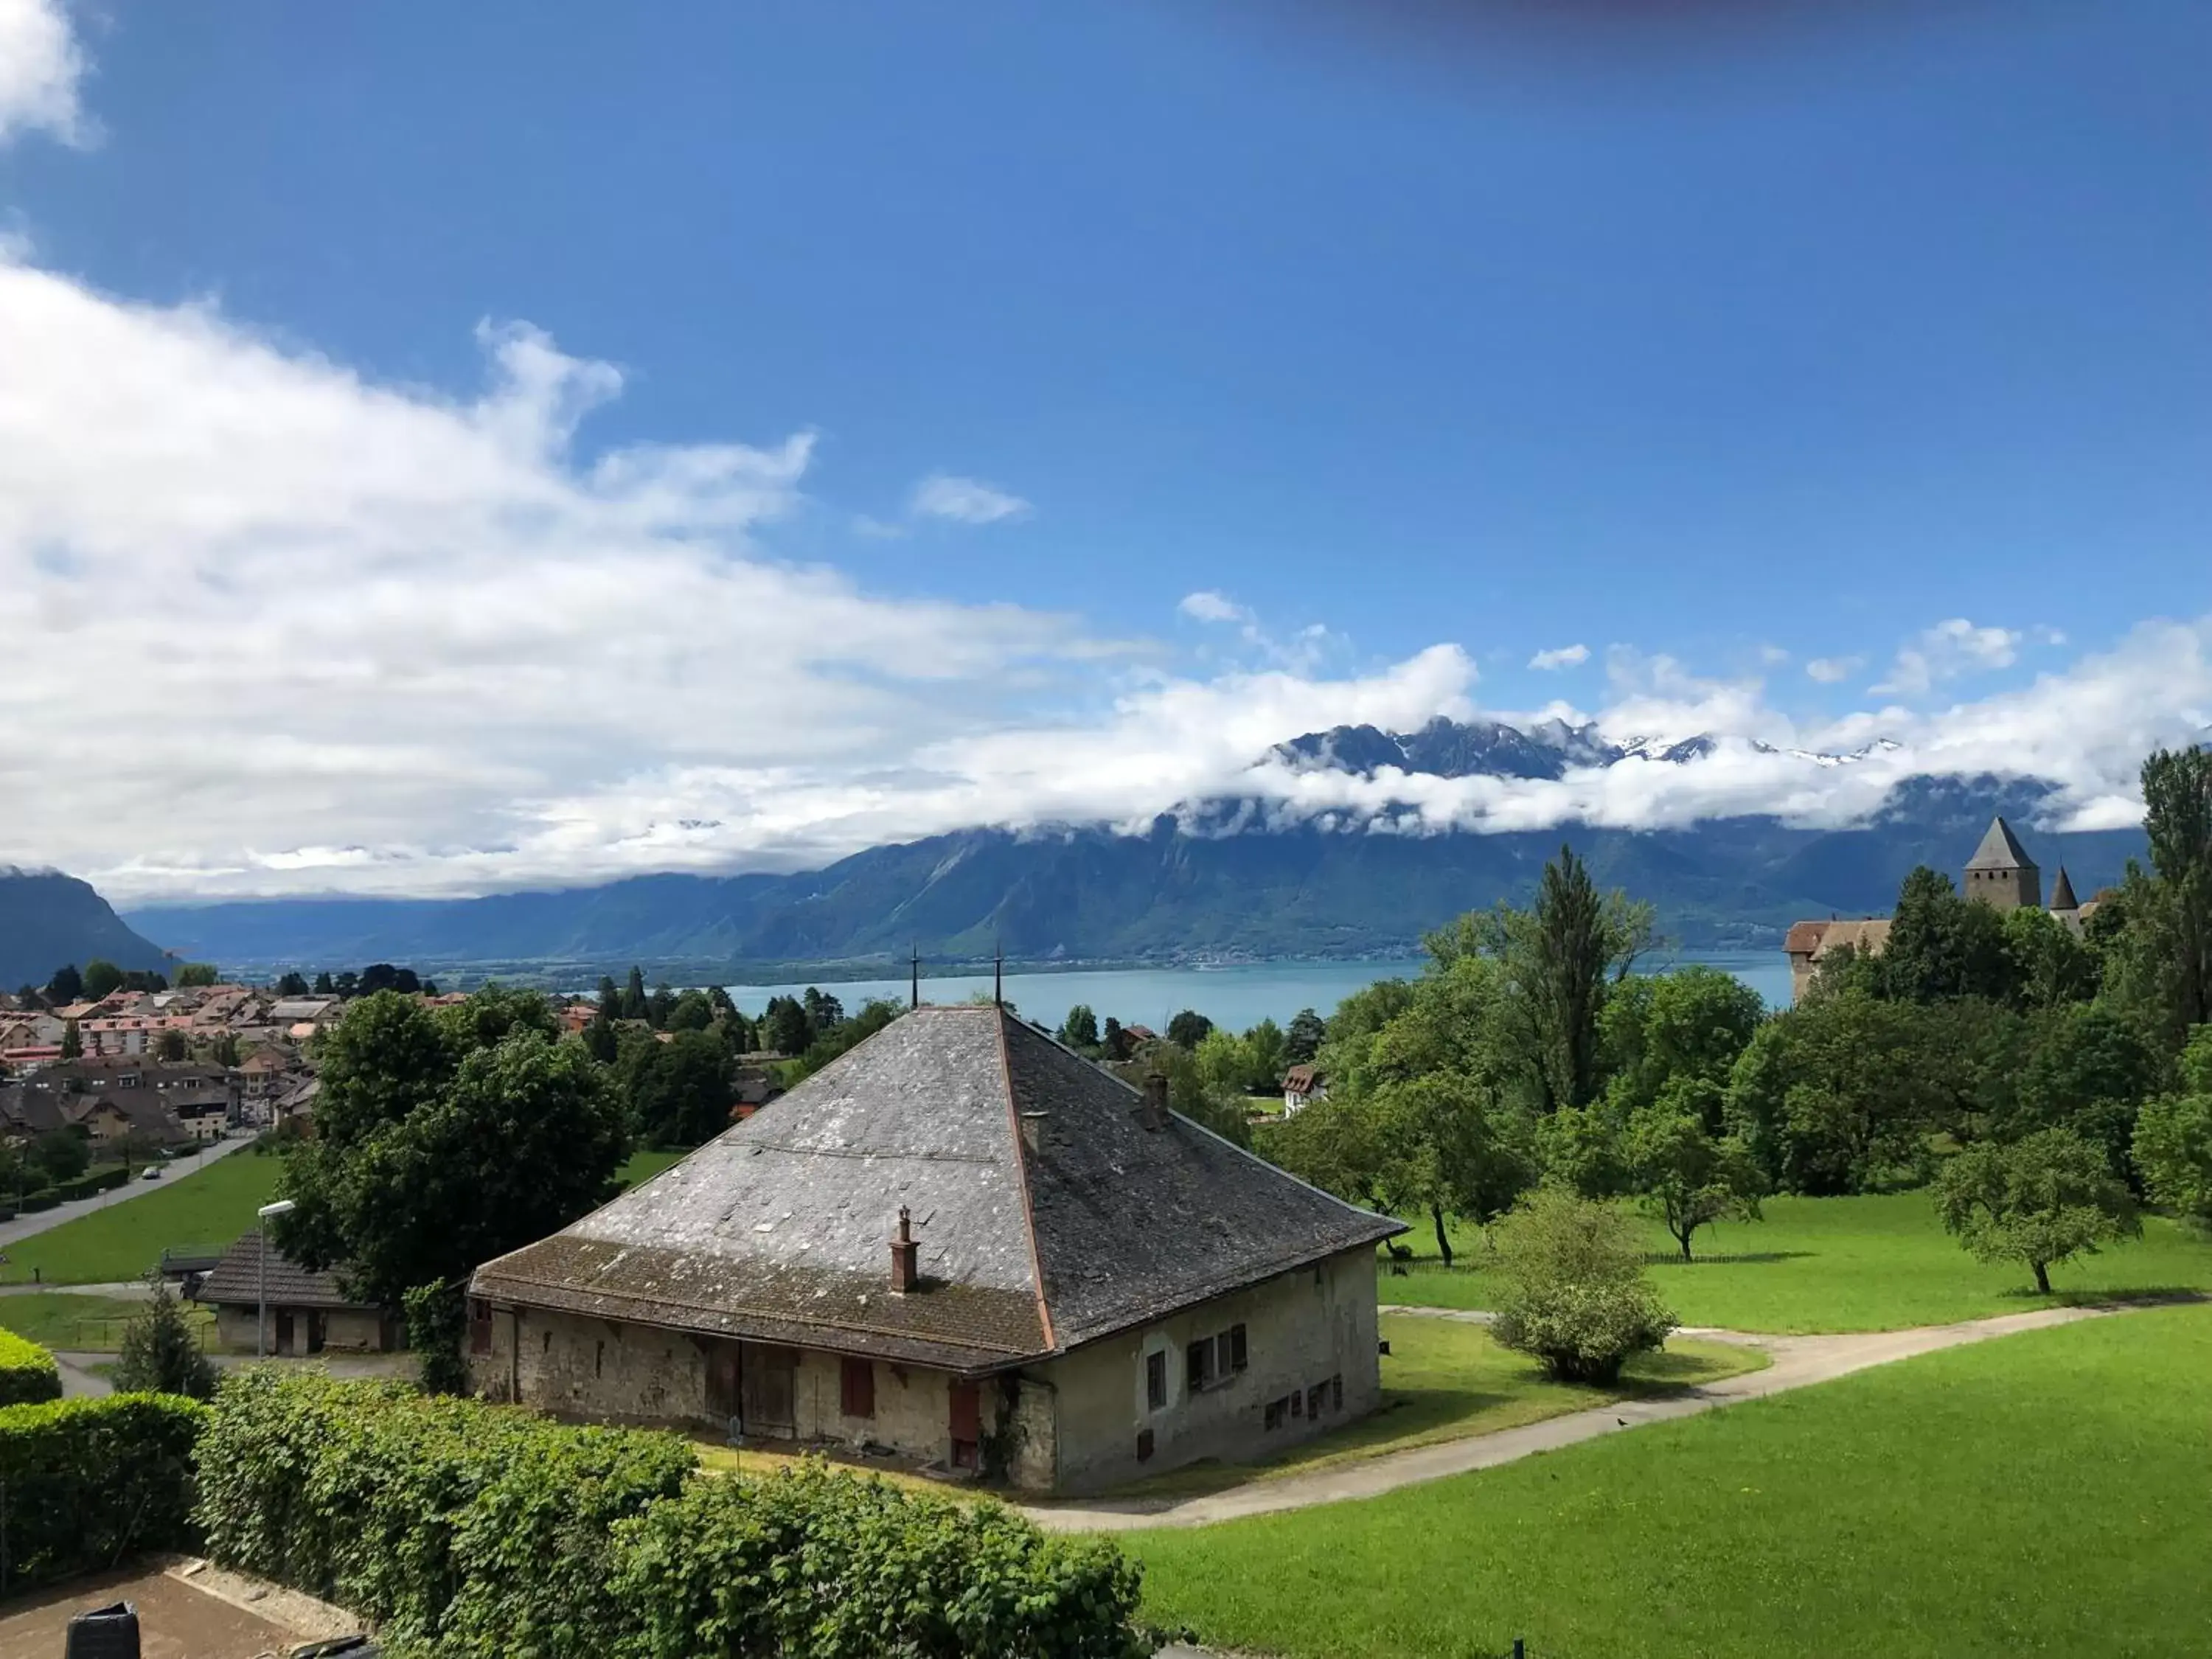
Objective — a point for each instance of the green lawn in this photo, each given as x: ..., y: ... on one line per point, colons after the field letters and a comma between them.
x: 2039, y: 1494
x: 1844, y: 1264
x: 1443, y: 1379
x: 91, y: 1324
x: 210, y: 1206
x: 645, y: 1165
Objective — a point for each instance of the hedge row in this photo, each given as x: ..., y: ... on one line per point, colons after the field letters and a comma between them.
x: 92, y: 1185
x: 83, y: 1482
x: 41, y: 1197
x: 467, y: 1529
x: 28, y: 1372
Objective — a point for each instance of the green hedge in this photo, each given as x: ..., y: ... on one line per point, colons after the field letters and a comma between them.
x: 815, y: 1565
x: 464, y: 1528
x: 91, y: 1186
x: 28, y: 1372
x: 85, y: 1482
x: 467, y: 1529
x: 44, y: 1198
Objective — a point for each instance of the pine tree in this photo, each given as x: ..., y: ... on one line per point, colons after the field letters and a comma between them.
x: 160, y: 1353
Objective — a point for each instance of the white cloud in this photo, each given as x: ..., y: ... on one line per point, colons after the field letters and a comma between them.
x: 1212, y: 607
x: 964, y: 500
x: 1773, y: 656
x: 1946, y: 651
x: 1831, y: 670
x: 1565, y: 656
x: 273, y: 626
x: 41, y: 66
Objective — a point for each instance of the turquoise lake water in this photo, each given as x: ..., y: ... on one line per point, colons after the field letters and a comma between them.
x: 1238, y: 995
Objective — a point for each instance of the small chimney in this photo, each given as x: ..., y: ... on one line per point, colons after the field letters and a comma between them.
x: 1032, y: 1130
x: 906, y: 1255
x: 1154, y: 1113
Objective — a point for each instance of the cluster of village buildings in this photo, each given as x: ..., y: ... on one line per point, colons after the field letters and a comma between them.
x: 159, y: 1068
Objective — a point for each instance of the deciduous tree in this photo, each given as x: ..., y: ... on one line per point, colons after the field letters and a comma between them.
x: 2041, y: 1200
x: 195, y: 974
x: 1688, y: 1177
x: 101, y: 978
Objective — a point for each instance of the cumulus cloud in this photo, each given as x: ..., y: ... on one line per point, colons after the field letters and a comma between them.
x: 276, y: 627
x: 1212, y: 607
x: 1947, y: 650
x: 1831, y: 670
x: 1565, y: 656
x: 964, y: 500
x: 40, y: 67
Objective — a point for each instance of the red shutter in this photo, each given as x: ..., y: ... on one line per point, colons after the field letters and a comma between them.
x: 857, y: 1387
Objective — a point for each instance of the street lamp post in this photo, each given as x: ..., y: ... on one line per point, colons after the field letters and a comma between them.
x: 267, y: 1212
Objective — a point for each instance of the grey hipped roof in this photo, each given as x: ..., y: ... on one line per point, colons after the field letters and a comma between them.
x: 780, y: 1230
x: 2000, y: 850
x: 235, y: 1280
x: 2062, y: 893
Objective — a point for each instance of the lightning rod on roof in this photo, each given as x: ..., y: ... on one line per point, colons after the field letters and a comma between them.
x: 999, y: 975
x: 913, y: 961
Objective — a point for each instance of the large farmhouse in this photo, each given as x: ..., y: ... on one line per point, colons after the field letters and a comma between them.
x: 961, y: 1244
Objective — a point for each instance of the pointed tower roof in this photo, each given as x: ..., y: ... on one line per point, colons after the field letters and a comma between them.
x: 2062, y: 895
x: 2000, y: 850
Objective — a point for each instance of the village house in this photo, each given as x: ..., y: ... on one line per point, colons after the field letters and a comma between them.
x: 2000, y: 874
x: 964, y: 1245
x: 308, y: 1312
x: 1302, y: 1086
x: 125, y: 1114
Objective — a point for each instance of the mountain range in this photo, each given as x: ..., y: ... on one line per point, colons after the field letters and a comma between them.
x: 1209, y: 882
x: 47, y: 920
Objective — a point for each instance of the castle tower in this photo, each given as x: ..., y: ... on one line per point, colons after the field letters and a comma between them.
x: 2001, y: 874
x: 2063, y: 902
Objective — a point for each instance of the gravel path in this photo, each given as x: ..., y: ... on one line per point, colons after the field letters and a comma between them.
x: 1797, y: 1362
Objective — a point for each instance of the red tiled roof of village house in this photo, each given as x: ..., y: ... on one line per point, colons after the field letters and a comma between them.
x: 1804, y: 937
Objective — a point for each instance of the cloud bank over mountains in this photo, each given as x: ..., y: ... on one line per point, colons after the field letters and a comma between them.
x: 276, y: 627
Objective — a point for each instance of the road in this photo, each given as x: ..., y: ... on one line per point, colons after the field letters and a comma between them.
x: 1798, y: 1362
x: 30, y: 1226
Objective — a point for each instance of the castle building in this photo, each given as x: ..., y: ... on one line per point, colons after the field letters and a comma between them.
x: 2000, y: 874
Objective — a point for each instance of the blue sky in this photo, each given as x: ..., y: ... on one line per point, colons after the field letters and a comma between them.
x: 1742, y: 348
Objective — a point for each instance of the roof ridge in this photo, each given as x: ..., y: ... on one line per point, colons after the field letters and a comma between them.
x: 1022, y: 1179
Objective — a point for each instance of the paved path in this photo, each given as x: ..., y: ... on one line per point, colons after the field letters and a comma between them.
x: 126, y: 1289
x: 1798, y: 1362
x: 29, y: 1226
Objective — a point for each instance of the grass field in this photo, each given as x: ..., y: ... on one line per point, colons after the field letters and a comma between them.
x: 2040, y: 1494
x: 643, y: 1165
x: 1443, y: 1379
x: 205, y: 1206
x: 88, y: 1324
x: 1846, y: 1264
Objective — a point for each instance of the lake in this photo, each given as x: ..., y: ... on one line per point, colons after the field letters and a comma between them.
x: 1238, y: 996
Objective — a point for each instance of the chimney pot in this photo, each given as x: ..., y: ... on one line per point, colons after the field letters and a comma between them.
x: 1155, y: 1101
x: 906, y: 1255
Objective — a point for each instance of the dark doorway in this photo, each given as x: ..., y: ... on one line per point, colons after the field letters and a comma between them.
x: 722, y: 1380
x: 967, y: 1424
x: 768, y: 1389
x: 283, y: 1333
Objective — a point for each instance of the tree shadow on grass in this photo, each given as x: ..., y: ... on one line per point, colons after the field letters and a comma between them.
x: 2142, y: 1295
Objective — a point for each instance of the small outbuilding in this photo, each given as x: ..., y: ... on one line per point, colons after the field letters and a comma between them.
x: 965, y: 1245
x: 308, y: 1312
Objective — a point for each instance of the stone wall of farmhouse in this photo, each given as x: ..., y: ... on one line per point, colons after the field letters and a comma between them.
x: 1310, y: 1366
x: 597, y: 1369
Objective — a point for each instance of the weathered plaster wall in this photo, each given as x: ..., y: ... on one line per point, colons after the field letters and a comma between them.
x: 595, y: 1369
x: 1303, y: 1330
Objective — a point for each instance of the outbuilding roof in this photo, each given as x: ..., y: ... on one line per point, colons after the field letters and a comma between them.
x: 235, y: 1281
x: 1046, y: 1212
